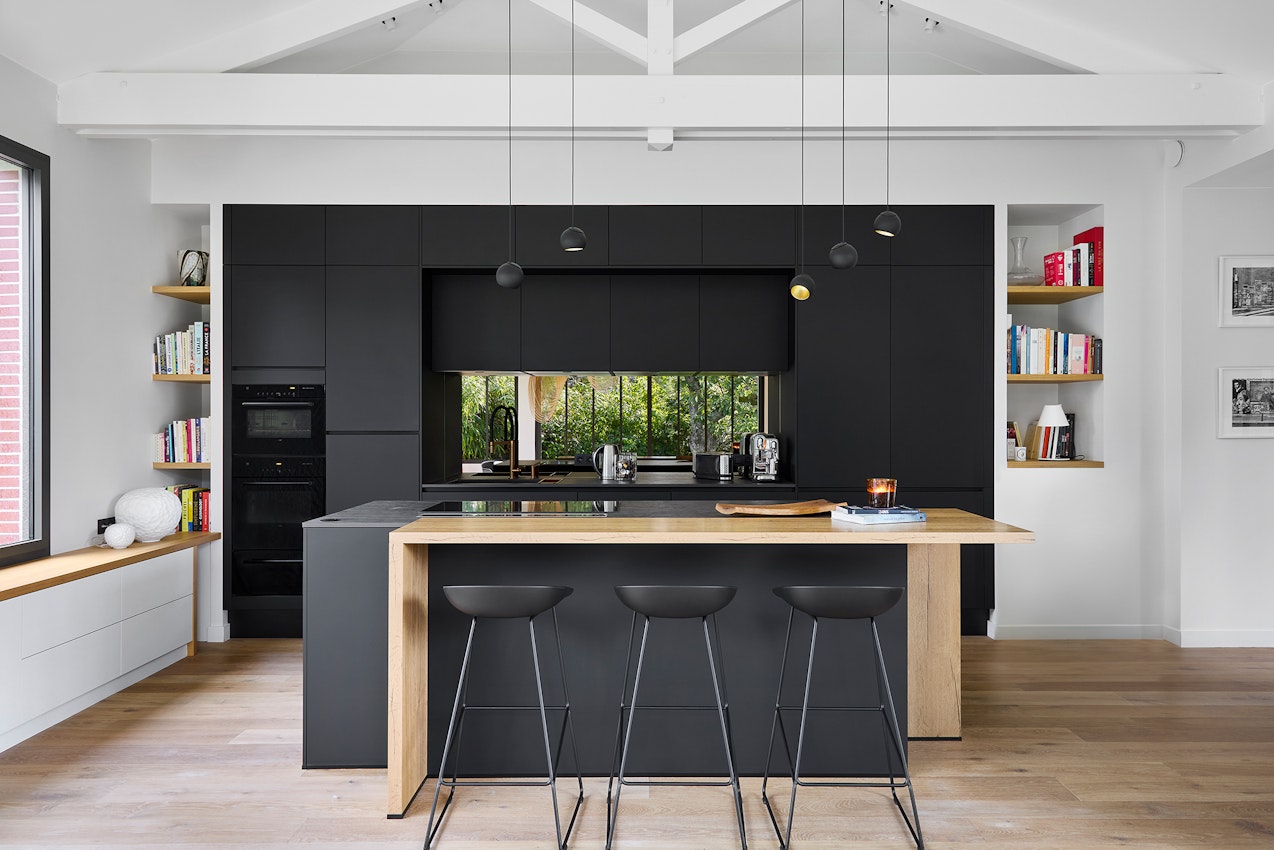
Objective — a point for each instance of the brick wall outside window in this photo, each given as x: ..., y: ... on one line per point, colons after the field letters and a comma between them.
x: 11, y: 371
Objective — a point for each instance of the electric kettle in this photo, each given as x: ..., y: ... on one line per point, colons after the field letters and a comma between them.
x: 605, y: 459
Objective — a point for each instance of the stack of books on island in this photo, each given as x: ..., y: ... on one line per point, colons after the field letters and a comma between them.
x: 876, y: 516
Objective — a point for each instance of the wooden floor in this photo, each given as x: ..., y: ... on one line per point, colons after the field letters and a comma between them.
x: 1067, y: 745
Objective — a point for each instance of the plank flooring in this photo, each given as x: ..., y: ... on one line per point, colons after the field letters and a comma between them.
x: 1068, y: 744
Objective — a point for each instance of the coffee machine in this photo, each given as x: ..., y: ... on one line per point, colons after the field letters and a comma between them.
x: 762, y: 451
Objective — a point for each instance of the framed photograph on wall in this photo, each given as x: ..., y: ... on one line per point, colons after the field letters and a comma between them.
x: 1246, y: 402
x: 1247, y: 292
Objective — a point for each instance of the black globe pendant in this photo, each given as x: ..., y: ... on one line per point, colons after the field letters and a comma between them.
x: 573, y: 239
x: 888, y: 223
x: 802, y: 287
x: 509, y: 275
x: 843, y: 256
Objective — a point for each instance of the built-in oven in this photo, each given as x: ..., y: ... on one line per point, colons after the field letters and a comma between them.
x: 277, y: 420
x: 271, y: 497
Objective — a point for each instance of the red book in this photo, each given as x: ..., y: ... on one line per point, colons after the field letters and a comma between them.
x: 1095, y: 236
x: 1055, y: 269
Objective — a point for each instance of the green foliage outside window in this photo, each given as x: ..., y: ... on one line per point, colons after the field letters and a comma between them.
x: 478, y: 395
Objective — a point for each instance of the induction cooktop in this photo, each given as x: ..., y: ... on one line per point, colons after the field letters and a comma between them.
x: 518, y: 508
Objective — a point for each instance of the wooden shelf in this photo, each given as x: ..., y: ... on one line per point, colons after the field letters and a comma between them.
x: 1051, y: 294
x: 194, y: 294
x: 1054, y: 464
x: 1053, y: 379
x: 184, y: 379
x: 191, y: 465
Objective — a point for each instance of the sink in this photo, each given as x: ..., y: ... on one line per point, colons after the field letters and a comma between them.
x: 494, y: 480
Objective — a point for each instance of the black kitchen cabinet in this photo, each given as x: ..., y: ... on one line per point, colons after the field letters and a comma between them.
x: 566, y: 323
x: 277, y: 316
x: 373, y: 236
x: 665, y: 236
x: 749, y: 236
x: 476, y: 324
x: 374, y: 356
x: 539, y: 231
x: 743, y: 323
x: 275, y: 234
x: 843, y: 368
x: 368, y: 467
x: 940, y: 355
x: 944, y: 236
x: 456, y: 237
x: 823, y: 228
x: 654, y: 323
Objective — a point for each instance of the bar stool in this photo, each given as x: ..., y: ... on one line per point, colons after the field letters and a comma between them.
x: 840, y: 603
x: 509, y: 602
x: 671, y: 602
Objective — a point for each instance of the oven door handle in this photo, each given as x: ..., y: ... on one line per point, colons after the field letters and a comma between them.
x: 272, y: 561
x: 305, y: 481
x: 276, y: 403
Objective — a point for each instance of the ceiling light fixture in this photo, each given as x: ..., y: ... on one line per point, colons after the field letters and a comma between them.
x: 510, y: 274
x: 930, y: 25
x: 389, y: 24
x: 842, y: 255
x: 887, y: 223
x: 802, y: 286
x: 573, y: 238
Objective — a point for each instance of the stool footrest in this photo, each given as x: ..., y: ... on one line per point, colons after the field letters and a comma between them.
x: 880, y: 708
x: 669, y: 782
x: 514, y: 707
x: 465, y: 783
x: 725, y: 707
x: 893, y: 784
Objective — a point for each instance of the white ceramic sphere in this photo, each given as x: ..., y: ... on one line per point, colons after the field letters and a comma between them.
x: 152, y: 511
x: 119, y: 535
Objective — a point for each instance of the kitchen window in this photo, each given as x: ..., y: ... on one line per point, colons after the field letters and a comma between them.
x: 24, y: 406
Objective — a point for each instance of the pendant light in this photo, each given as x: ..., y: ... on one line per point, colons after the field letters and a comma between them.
x: 510, y: 274
x: 842, y: 255
x: 802, y: 286
x: 887, y: 223
x: 573, y: 238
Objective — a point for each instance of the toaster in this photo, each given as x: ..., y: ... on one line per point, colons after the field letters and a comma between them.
x: 715, y: 466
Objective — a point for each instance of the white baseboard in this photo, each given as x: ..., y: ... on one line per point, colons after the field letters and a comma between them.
x: 1232, y: 638
x: 1100, y: 631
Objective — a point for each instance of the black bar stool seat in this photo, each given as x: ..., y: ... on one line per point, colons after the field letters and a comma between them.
x: 836, y: 602
x: 505, y: 602
x: 671, y: 602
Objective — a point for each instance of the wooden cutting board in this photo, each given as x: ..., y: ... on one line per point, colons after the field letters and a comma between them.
x: 814, y: 506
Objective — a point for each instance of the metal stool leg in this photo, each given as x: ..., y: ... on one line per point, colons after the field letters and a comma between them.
x: 548, y: 746
x: 725, y: 734
x: 776, y: 724
x: 613, y: 811
x: 568, y: 724
x: 891, y: 720
x: 431, y: 829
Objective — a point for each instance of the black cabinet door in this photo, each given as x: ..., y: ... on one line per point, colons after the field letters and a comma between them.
x: 656, y: 236
x: 275, y: 234
x: 944, y: 236
x: 843, y: 369
x: 941, y: 357
x: 374, y: 356
x: 276, y: 316
x: 477, y: 324
x: 823, y: 228
x: 743, y: 322
x: 368, y: 467
x: 373, y: 236
x: 566, y: 323
x: 749, y: 235
x: 654, y: 323
x: 539, y: 234
x: 455, y: 237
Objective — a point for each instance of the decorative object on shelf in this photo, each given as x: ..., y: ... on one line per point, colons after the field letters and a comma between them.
x: 1052, y: 438
x: 152, y: 511
x: 887, y: 223
x: 1020, y: 273
x: 119, y: 535
x: 193, y: 268
x: 510, y: 274
x: 1245, y: 402
x: 802, y: 285
x: 842, y: 255
x: 882, y: 492
x: 573, y: 238
x: 1246, y: 292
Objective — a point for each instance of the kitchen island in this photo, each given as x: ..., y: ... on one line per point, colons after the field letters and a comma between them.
x: 685, y: 542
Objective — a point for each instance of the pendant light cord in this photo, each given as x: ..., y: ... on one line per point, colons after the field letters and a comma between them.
x: 510, y: 72
x: 802, y: 239
x: 887, y: 101
x: 842, y: 122
x: 572, y: 2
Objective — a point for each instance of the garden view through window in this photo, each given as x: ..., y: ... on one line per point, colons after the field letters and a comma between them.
x: 650, y: 415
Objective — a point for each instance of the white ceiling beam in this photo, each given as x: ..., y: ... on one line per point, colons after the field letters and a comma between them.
x: 279, y: 35
x: 1066, y: 39
x: 944, y: 106
x: 600, y: 28
x: 659, y: 62
x: 738, y: 17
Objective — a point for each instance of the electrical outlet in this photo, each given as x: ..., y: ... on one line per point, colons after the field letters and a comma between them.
x: 102, y: 523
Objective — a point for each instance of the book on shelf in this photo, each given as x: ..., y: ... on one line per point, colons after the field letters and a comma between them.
x: 876, y: 516
x: 184, y: 352
x: 1045, y: 351
x: 194, y: 506
x: 1082, y: 273
x: 1046, y: 442
x: 183, y: 441
x: 1054, y: 269
x: 1095, y: 237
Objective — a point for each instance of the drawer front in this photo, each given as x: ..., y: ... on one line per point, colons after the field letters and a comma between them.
x: 56, y: 615
x: 158, y: 581
x: 10, y: 664
x: 152, y: 633
x: 69, y: 670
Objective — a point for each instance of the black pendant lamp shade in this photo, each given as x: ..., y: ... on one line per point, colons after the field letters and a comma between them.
x: 843, y: 256
x: 573, y: 239
x: 888, y: 223
x: 509, y: 275
x: 802, y: 287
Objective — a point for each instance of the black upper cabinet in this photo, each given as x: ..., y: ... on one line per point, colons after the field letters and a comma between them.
x: 743, y: 322
x: 566, y: 323
x: 455, y: 237
x: 752, y: 236
x: 944, y: 236
x: 373, y: 236
x: 477, y: 324
x: 276, y: 316
x: 654, y: 323
x: 374, y: 357
x: 843, y: 430
x: 656, y: 236
x: 539, y: 231
x: 941, y: 356
x: 275, y: 234
x: 823, y: 229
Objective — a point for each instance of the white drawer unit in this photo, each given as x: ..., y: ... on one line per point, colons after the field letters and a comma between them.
x: 59, y: 614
